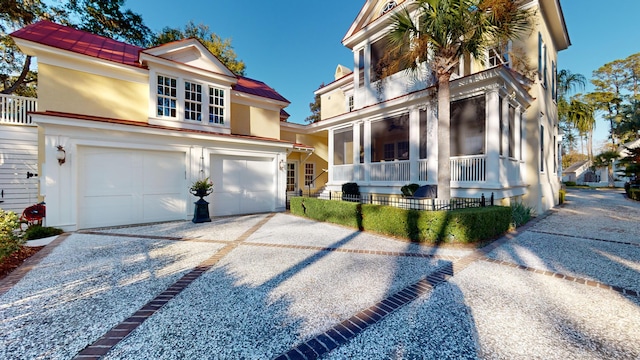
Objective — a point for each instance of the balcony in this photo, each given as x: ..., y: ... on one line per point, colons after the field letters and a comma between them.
x: 14, y: 109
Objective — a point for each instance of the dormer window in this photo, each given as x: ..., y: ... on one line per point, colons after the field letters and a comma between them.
x: 388, y: 7
x: 216, y: 105
x: 192, y: 101
x: 167, y: 96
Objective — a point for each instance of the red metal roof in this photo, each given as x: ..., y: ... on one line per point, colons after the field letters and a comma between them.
x: 62, y: 37
x: 258, y: 88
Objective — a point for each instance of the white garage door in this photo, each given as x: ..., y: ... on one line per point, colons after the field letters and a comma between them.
x: 121, y: 186
x: 242, y: 185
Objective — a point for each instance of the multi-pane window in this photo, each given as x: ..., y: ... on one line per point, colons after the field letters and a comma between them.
x: 350, y: 103
x: 192, y: 101
x: 216, y: 105
x: 166, y: 96
x: 291, y: 177
x: 309, y: 174
x: 389, y: 151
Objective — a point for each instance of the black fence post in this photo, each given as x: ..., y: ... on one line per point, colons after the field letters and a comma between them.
x: 491, y: 199
x: 482, y: 201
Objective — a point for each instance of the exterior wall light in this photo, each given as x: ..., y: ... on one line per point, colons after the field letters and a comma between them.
x: 282, y: 164
x: 61, y: 155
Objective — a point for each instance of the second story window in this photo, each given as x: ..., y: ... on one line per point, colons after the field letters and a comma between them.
x: 216, y: 105
x: 350, y: 105
x: 192, y: 101
x: 166, y: 96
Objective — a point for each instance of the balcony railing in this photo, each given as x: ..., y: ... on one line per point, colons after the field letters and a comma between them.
x: 15, y: 109
x: 390, y: 171
x: 468, y: 168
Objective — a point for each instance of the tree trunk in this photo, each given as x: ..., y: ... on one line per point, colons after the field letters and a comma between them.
x: 21, y: 78
x: 444, y: 138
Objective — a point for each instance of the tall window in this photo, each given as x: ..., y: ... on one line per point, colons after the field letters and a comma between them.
x: 512, y: 135
x: 423, y: 134
x: 541, y: 148
x: 291, y: 177
x: 309, y: 174
x: 166, y: 96
x: 468, y: 126
x: 350, y: 103
x: 390, y: 139
x: 343, y: 146
x: 361, y: 68
x: 216, y: 105
x: 192, y: 101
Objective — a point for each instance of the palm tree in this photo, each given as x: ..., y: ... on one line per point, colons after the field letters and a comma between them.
x: 580, y: 114
x: 442, y: 32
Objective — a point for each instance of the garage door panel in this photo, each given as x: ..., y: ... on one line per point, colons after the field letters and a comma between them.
x: 110, y: 163
x: 242, y: 185
x: 160, y: 173
x: 162, y: 207
x: 107, y: 210
x: 124, y: 186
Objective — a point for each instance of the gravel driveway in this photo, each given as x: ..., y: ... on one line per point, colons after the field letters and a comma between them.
x: 278, y: 286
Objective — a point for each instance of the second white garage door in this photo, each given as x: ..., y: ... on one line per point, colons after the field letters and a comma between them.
x: 124, y: 186
x: 242, y: 185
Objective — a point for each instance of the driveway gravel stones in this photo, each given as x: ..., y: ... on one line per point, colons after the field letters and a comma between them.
x: 291, y: 288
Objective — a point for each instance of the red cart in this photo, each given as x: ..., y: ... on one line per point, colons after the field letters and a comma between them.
x: 33, y: 215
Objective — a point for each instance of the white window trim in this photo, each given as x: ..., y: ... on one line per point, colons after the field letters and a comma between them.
x: 311, y: 184
x: 179, y: 121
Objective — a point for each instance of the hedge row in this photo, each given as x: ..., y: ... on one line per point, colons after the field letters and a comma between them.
x: 458, y: 226
x: 634, y: 194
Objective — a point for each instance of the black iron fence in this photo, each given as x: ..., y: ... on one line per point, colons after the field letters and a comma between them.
x: 426, y: 204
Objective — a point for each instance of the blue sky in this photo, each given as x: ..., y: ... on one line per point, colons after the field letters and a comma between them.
x: 294, y: 46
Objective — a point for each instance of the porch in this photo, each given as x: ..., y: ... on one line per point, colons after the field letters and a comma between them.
x: 467, y: 172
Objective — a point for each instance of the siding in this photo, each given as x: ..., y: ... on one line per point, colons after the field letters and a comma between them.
x: 18, y: 155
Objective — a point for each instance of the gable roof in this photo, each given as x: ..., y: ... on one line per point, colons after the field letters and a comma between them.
x: 66, y: 38
x: 81, y: 42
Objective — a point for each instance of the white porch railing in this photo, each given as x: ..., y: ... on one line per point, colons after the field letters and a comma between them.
x: 422, y: 169
x: 468, y: 168
x: 348, y: 173
x: 14, y: 109
x: 464, y: 169
x: 390, y: 171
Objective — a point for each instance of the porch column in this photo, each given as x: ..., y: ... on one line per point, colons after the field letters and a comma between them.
x: 414, y: 143
x: 330, y: 159
x: 367, y: 151
x: 493, y: 137
x: 504, y: 138
x: 432, y: 143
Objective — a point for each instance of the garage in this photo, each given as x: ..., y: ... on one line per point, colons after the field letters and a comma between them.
x: 127, y: 186
x: 242, y: 185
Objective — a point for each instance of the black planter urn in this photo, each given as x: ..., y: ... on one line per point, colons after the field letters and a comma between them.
x: 201, y: 210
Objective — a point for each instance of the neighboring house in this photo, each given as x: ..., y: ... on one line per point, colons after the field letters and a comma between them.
x: 137, y: 126
x: 504, y: 127
x: 576, y: 172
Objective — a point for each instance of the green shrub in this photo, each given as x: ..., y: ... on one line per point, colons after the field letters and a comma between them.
x: 40, y: 232
x: 458, y: 226
x: 570, y: 183
x: 561, y: 195
x: 521, y: 214
x: 337, y: 212
x: 634, y: 194
x: 10, y: 237
x: 409, y: 190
